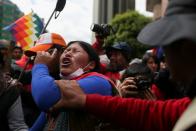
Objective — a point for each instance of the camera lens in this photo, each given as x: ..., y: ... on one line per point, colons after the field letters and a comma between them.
x: 102, y: 30
x: 92, y: 27
x: 96, y: 28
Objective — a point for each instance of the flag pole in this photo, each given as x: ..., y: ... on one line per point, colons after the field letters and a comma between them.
x: 29, y: 59
x: 48, y: 22
x: 59, y: 7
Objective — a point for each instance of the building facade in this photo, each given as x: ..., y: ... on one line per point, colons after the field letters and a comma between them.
x: 158, y: 7
x: 9, y: 12
x: 105, y: 10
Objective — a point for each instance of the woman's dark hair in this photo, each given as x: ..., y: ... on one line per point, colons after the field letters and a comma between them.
x: 93, y: 56
x: 147, y: 56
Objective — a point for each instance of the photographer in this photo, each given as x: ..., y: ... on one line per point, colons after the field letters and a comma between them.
x: 101, y: 32
x: 119, y: 54
x: 136, y: 82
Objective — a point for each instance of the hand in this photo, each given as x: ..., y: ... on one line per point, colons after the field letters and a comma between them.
x: 72, y: 96
x: 128, y: 88
x: 12, y: 82
x: 46, y: 58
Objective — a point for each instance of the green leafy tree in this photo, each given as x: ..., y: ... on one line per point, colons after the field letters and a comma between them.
x: 126, y: 28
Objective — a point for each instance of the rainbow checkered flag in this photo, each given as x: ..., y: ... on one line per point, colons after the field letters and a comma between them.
x: 26, y: 30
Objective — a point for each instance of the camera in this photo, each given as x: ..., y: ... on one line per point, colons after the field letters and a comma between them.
x: 103, y: 30
x: 142, y: 83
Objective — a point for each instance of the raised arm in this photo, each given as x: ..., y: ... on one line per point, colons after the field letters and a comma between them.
x: 44, y: 89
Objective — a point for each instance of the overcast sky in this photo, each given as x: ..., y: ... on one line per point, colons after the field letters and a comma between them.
x: 74, y: 21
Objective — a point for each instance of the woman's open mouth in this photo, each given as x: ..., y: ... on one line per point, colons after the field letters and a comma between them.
x: 66, y: 62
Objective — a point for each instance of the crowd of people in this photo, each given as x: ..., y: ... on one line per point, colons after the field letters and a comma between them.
x: 62, y: 86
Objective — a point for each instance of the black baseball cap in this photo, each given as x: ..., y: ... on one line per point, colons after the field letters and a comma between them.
x: 124, y: 47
